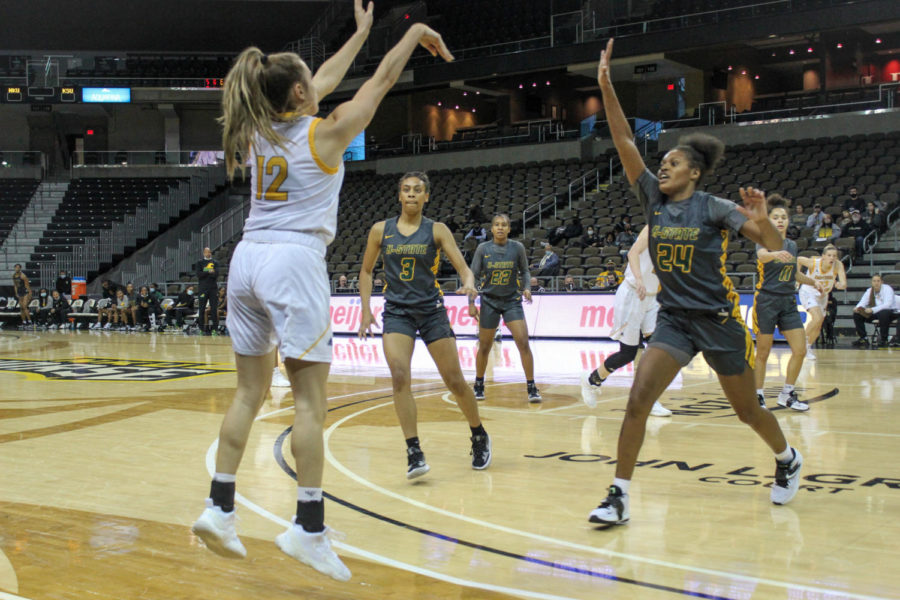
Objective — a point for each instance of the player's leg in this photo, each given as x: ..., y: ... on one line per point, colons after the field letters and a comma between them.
x: 815, y: 318
x: 763, y: 348
x: 655, y: 372
x: 446, y: 357
x: 796, y: 339
x: 519, y: 330
x: 398, y: 350
x: 485, y: 343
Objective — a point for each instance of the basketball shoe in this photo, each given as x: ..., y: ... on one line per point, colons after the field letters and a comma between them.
x: 613, y: 510
x: 313, y: 549
x: 417, y: 465
x: 216, y: 528
x: 787, y: 479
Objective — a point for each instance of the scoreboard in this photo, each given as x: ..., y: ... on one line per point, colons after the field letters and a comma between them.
x: 67, y: 94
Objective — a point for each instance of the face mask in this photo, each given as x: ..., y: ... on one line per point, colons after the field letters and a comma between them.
x: 590, y: 232
x: 62, y: 274
x: 548, y: 253
x: 152, y: 290
x: 190, y: 292
x: 43, y: 295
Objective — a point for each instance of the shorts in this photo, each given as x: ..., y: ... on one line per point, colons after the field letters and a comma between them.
x: 493, y: 308
x: 812, y: 298
x: 632, y: 316
x: 724, y: 341
x: 432, y: 323
x: 771, y: 310
x: 279, y: 293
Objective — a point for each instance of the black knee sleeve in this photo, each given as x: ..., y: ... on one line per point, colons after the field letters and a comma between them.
x: 621, y: 358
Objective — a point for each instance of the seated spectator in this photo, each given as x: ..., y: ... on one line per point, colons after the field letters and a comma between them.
x: 476, y: 231
x: 124, y: 311
x: 450, y: 222
x: 845, y: 219
x: 106, y: 305
x: 611, y: 278
x: 148, y: 312
x: 131, y: 293
x: 377, y: 285
x: 222, y: 308
x: 877, y: 304
x: 815, y: 219
x: 828, y: 231
x: 64, y: 284
x: 183, y: 305
x: 536, y: 287
x: 343, y: 287
x: 624, y: 222
x: 548, y: 266
x: 609, y: 239
x: 569, y: 284
x: 590, y: 239
x: 59, y: 311
x: 475, y: 214
x: 625, y: 238
x: 45, y: 303
x: 874, y: 218
x: 854, y: 201
x: 858, y: 230
x: 798, y: 218
x: 827, y: 338
x: 570, y: 231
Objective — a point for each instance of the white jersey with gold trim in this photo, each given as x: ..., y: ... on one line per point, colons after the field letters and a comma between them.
x: 648, y: 275
x: 820, y: 274
x: 292, y: 189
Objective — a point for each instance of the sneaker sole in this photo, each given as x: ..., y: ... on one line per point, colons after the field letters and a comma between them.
x: 794, y: 406
x: 588, y: 395
x: 281, y: 546
x: 417, y: 472
x: 535, y: 399
x: 213, y: 542
x: 488, y: 463
x: 598, y: 520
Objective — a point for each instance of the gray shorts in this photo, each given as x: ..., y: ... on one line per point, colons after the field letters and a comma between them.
x: 493, y: 308
x: 432, y: 324
x: 724, y: 341
x: 774, y: 310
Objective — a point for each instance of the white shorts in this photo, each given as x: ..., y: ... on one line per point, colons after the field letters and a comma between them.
x: 631, y: 315
x: 812, y: 298
x: 278, y: 293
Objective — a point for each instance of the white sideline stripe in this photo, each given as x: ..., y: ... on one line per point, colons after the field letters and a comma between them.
x: 755, y: 580
x: 7, y: 596
x: 390, y: 562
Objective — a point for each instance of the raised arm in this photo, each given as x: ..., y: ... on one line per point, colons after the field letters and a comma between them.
x: 758, y: 227
x: 373, y: 249
x: 444, y: 241
x: 621, y: 132
x: 332, y: 71
x: 335, y: 133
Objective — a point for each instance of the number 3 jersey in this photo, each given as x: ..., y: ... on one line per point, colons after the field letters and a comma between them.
x: 504, y: 268
x: 291, y: 188
x: 688, y: 242
x: 776, y: 277
x: 411, y: 265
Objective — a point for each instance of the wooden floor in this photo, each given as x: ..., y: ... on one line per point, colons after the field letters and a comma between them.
x: 106, y: 442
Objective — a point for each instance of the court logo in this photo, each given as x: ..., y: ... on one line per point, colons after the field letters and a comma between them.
x: 111, y: 369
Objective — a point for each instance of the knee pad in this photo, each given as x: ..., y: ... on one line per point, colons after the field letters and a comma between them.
x: 621, y: 358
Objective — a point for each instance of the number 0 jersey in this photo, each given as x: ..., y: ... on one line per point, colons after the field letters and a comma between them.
x: 776, y: 277
x: 411, y: 265
x: 688, y: 240
x: 291, y: 188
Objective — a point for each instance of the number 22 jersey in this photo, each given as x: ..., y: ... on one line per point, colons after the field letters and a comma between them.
x: 688, y: 242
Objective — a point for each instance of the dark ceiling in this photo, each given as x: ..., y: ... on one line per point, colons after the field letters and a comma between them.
x: 158, y: 26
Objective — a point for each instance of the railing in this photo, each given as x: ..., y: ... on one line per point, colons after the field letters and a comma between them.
x: 576, y: 185
x: 225, y: 227
x: 131, y: 158
x: 18, y: 158
x: 676, y: 21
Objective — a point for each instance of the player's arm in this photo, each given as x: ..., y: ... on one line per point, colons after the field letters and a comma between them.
x: 373, y: 249
x: 634, y: 260
x: 444, y: 241
x: 333, y: 70
x: 477, y: 262
x: 841, y: 282
x: 803, y: 278
x: 524, y: 272
x: 27, y: 283
x: 622, y: 136
x: 758, y: 227
x: 335, y: 133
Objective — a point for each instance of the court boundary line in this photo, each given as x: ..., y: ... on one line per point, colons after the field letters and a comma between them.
x: 574, y: 545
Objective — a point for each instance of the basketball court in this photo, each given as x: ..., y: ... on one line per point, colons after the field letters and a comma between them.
x: 108, y: 442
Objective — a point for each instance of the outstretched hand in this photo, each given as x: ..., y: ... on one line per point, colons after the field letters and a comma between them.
x: 432, y: 41
x: 603, y: 76
x: 754, y: 207
x: 364, y: 18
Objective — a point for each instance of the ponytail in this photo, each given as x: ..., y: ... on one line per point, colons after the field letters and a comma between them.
x: 257, y: 89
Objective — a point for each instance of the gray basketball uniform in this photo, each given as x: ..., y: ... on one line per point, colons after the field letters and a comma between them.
x: 775, y: 303
x: 700, y: 309
x: 413, y: 301
x: 502, y: 271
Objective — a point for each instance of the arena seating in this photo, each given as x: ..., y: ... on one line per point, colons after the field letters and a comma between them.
x: 15, y: 194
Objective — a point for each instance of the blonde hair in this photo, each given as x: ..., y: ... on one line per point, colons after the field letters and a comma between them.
x: 257, y: 90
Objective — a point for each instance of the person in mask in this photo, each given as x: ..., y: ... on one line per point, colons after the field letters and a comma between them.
x: 184, y: 305
x: 64, y: 284
x: 208, y: 276
x: 59, y: 311
x: 548, y: 266
x: 45, y: 303
x: 590, y: 239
